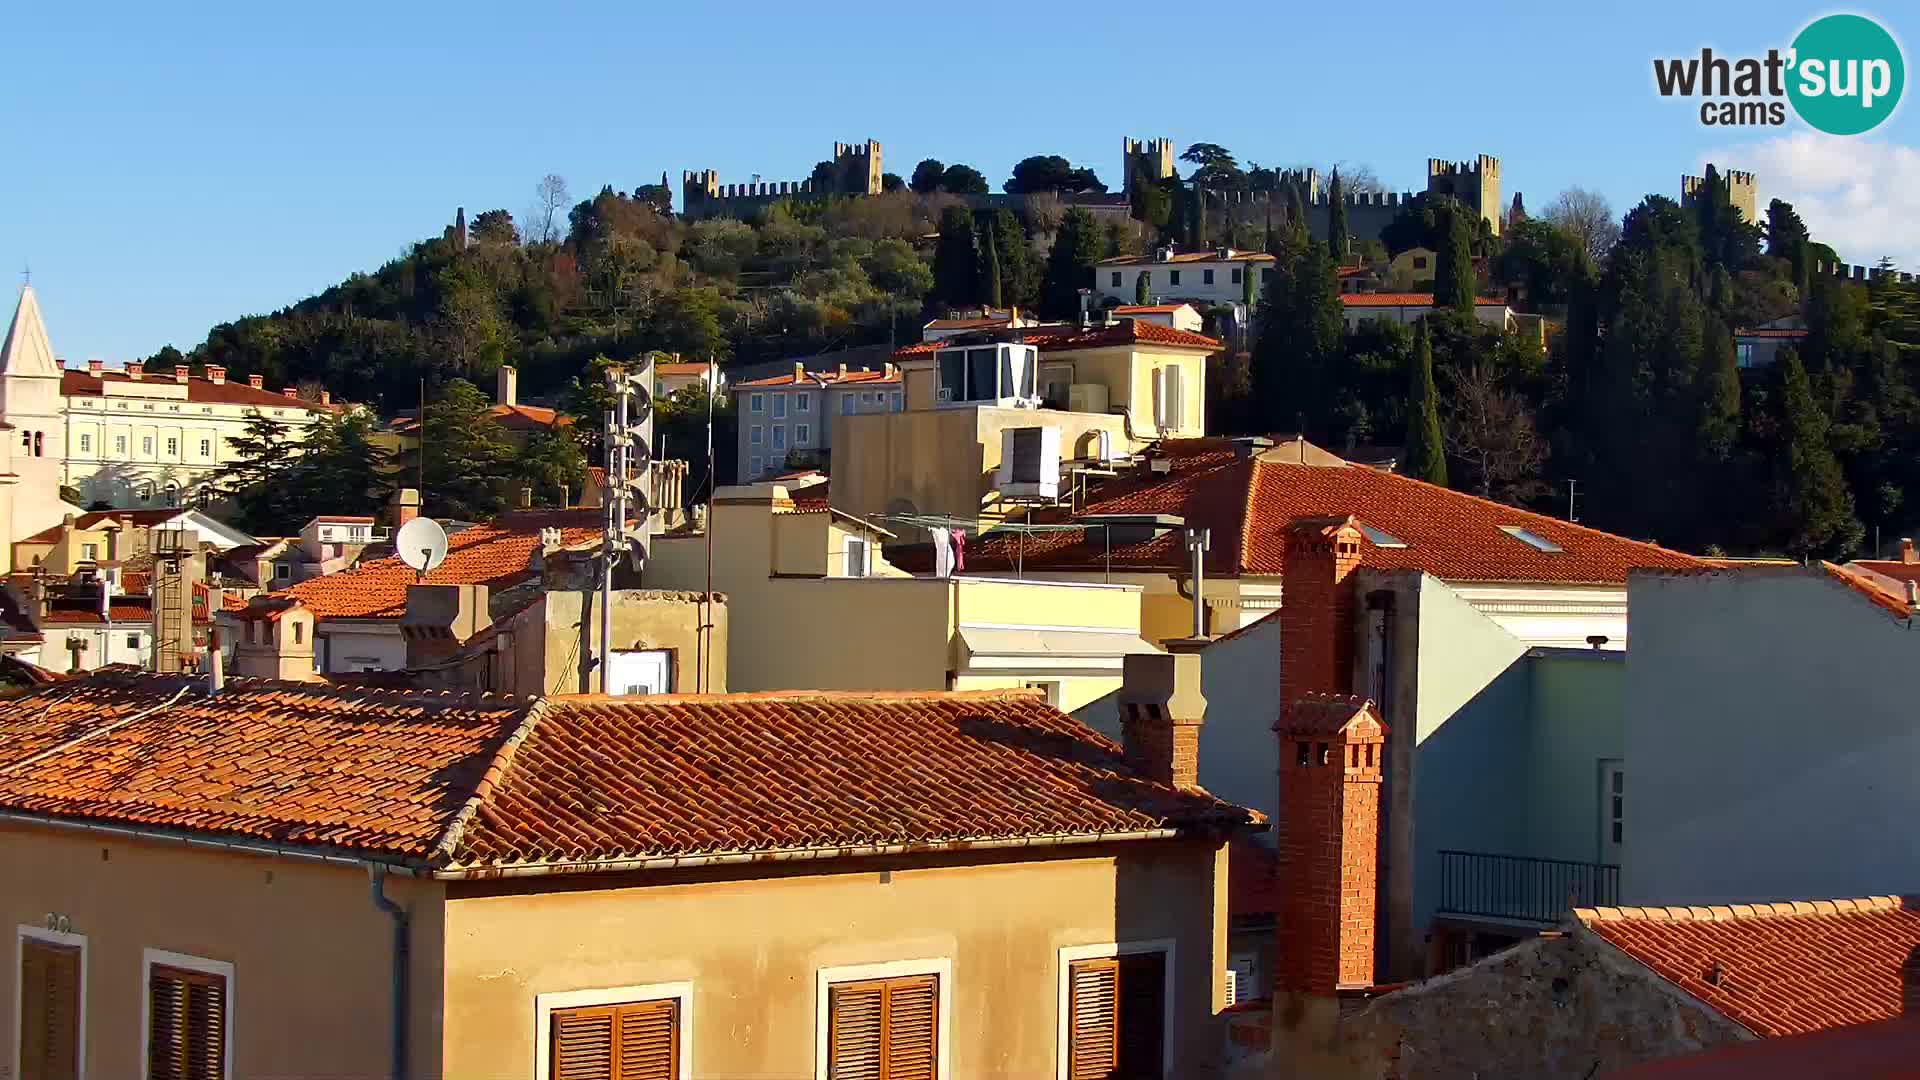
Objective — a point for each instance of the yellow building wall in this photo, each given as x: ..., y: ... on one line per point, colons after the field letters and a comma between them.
x: 751, y: 948
x: 1003, y: 602
x: 550, y: 663
x: 920, y: 383
x: 312, y: 957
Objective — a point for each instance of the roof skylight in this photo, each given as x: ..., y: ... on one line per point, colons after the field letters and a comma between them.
x: 1379, y: 538
x: 1531, y: 539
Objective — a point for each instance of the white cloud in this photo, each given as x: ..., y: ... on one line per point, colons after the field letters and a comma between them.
x: 1860, y: 196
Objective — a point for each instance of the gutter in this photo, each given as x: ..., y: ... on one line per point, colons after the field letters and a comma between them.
x: 241, y: 847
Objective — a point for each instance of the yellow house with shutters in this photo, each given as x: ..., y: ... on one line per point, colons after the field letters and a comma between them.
x: 297, y: 879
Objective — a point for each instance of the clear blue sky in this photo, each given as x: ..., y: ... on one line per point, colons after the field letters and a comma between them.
x: 169, y: 167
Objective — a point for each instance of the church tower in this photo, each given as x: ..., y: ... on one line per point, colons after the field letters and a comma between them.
x: 32, y: 408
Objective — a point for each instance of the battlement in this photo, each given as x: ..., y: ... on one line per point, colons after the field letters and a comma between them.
x: 1475, y: 184
x: 1483, y: 166
x: 856, y: 170
x: 1743, y: 191
x: 1855, y: 272
x: 1154, y: 155
x: 1352, y: 199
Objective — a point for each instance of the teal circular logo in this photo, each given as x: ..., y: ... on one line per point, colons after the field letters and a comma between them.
x: 1847, y: 74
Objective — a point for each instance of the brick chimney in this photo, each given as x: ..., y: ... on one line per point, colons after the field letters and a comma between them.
x: 135, y: 372
x: 1332, y: 750
x: 506, y: 385
x: 1317, y: 607
x: 216, y: 374
x: 1161, y: 710
x: 181, y: 373
x: 406, y: 506
x: 256, y: 381
x: 1906, y: 550
x: 95, y: 367
x: 292, y: 392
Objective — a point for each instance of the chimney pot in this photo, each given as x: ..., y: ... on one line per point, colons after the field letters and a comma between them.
x: 1906, y: 550
x: 95, y: 367
x: 1161, y: 712
x: 291, y: 392
x: 216, y: 374
x: 326, y: 397
x: 256, y: 381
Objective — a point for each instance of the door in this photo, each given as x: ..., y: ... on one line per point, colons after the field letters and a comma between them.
x: 1613, y: 795
x: 644, y: 671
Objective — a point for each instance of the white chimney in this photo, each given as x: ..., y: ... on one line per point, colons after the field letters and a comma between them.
x: 507, y: 386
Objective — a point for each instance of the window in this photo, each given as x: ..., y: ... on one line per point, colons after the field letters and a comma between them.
x: 206, y: 447
x: 779, y: 436
x: 120, y: 444
x: 1116, y: 279
x: 1531, y: 539
x: 802, y: 434
x: 299, y: 633
x: 187, y: 1037
x: 282, y: 571
x: 1115, y: 1007
x: 896, y: 401
x: 641, y: 671
x: 90, y: 552
x: 779, y: 406
x: 86, y: 443
x: 1236, y: 275
x: 52, y: 977
x: 1173, y: 277
x: 884, y: 1028
x: 1206, y: 277
x: 173, y: 447
x: 1743, y: 358
x: 754, y: 468
x: 171, y: 496
x: 1169, y: 398
x: 856, y: 557
x: 803, y: 403
x: 133, y: 642
x: 39, y: 444
x: 624, y: 1033
x: 146, y: 445
x: 1049, y: 687
x: 756, y: 403
x: 753, y: 435
x: 866, y: 398
x: 1419, y: 262
x: 846, y: 404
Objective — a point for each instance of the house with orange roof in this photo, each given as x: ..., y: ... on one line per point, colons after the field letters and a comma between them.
x: 786, y: 420
x: 1211, y: 276
x: 1795, y: 988
x: 976, y: 321
x: 1172, y: 316
x: 672, y: 376
x: 1767, y: 692
x: 834, y: 884
x: 1407, y: 308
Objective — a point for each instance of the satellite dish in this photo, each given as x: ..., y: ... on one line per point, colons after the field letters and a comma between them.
x: 422, y: 544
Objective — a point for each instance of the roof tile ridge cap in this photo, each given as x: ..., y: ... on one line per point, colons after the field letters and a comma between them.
x: 653, y: 701
x: 495, y: 774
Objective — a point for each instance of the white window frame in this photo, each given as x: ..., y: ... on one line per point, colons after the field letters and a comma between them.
x: 803, y: 402
x: 803, y: 434
x: 939, y: 966
x: 779, y: 406
x: 1063, y: 977
x: 22, y: 934
x: 753, y: 435
x: 756, y: 403
x: 545, y: 1005
x: 86, y: 443
x: 150, y: 957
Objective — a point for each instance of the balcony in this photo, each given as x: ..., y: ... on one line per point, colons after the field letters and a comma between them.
x: 1522, y: 888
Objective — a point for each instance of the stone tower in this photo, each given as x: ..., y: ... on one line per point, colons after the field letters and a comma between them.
x: 1154, y: 156
x: 1476, y: 184
x: 31, y: 404
x: 856, y: 168
x: 1742, y: 191
x: 697, y: 187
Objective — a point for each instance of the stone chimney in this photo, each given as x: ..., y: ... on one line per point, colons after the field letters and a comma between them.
x: 405, y: 506
x: 216, y: 375
x: 181, y: 373
x: 95, y: 367
x: 274, y: 639
x: 890, y: 370
x: 843, y: 371
x: 326, y: 397
x: 256, y: 381
x: 506, y: 385
x: 1906, y: 550
x: 1161, y: 711
x: 440, y: 618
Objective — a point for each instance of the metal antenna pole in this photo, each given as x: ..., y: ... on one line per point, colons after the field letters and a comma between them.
x: 608, y: 550
x: 706, y: 629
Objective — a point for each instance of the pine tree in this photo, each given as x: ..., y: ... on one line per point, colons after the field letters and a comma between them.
x: 1338, y: 242
x: 1301, y: 345
x: 955, y: 264
x: 1142, y: 291
x: 1076, y: 247
x: 1453, y: 279
x: 469, y: 461
x: 1811, y: 499
x: 1426, y: 453
x: 990, y: 270
x: 1019, y: 270
x: 255, y: 480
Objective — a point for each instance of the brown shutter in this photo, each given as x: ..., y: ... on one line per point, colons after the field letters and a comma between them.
x: 884, y: 1029
x: 856, y: 1028
x: 636, y: 1041
x: 49, y: 1011
x: 187, y: 1025
x: 913, y: 1018
x: 1093, y: 1011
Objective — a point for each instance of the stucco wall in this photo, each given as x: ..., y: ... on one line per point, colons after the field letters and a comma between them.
x: 1770, y: 741
x: 751, y: 948
x: 311, y: 955
x: 568, y: 625
x: 361, y: 645
x: 1578, y: 720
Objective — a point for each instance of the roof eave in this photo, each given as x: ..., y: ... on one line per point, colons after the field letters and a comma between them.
x: 390, y: 862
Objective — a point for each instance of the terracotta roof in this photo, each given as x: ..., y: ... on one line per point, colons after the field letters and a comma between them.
x: 1776, y: 969
x: 1885, y: 1049
x: 1186, y: 257
x: 496, y: 555
x: 1883, y: 598
x: 1893, y: 568
x: 286, y: 763
x: 1124, y: 332
x: 142, y: 518
x: 612, y: 778
x: 199, y: 389
x: 690, y: 367
x: 1249, y: 502
x: 510, y: 417
x: 1407, y: 299
x: 1789, y: 335
x: 49, y: 535
x: 812, y: 499
x: 1148, y: 309
x: 974, y: 323
x: 831, y: 378
x: 479, y: 781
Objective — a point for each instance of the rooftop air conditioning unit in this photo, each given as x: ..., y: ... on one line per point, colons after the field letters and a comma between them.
x: 1088, y: 397
x: 1029, y: 462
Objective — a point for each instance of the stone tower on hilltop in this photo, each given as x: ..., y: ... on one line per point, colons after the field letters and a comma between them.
x: 1475, y: 183
x: 1154, y: 158
x: 1742, y: 191
x: 856, y: 168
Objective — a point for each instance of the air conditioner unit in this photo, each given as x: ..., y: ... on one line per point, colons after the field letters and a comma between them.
x: 1233, y: 987
x: 1029, y: 462
x: 1088, y: 397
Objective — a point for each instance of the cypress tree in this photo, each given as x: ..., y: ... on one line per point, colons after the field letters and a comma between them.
x: 955, y: 264
x: 1197, y: 233
x: 1296, y: 207
x: 1453, y: 280
x: 1142, y: 294
x: 1019, y: 270
x: 1810, y: 493
x: 990, y: 271
x: 1248, y: 286
x: 1338, y: 241
x: 1425, y: 451
x: 1076, y: 247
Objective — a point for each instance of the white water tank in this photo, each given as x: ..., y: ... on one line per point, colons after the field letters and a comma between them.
x: 1029, y: 462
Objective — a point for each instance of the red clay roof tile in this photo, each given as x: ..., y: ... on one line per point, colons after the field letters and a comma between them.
x: 1423, y: 299
x: 1124, y: 332
x: 201, y: 390
x: 1776, y: 969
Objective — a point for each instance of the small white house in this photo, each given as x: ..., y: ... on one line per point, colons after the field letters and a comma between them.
x: 1176, y: 316
x: 1217, y: 276
x: 1410, y: 308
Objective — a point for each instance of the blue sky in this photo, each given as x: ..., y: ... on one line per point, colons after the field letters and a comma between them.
x: 170, y: 167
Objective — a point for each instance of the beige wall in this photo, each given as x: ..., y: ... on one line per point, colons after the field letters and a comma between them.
x: 549, y: 663
x: 752, y: 950
x: 312, y: 957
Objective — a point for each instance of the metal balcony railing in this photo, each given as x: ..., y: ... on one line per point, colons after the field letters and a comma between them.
x: 1521, y: 887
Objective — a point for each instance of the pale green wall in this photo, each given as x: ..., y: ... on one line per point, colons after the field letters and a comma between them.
x: 1578, y: 718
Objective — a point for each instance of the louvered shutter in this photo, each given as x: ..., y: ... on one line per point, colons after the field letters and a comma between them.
x: 49, y: 1011
x: 635, y: 1041
x: 913, y: 1017
x: 187, y: 1025
x: 649, y: 1047
x: 1143, y: 990
x: 856, y: 1027
x: 1093, y: 1007
x: 583, y: 1044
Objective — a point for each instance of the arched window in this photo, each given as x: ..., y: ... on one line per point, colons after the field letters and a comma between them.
x: 39, y: 444
x: 145, y: 491
x: 172, y: 494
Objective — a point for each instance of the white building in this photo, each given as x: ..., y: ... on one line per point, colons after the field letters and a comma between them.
x: 1172, y: 316
x: 1410, y: 308
x: 127, y: 438
x: 1217, y: 276
x: 792, y: 415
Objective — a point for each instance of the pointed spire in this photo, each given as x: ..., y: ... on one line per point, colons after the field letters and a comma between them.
x: 27, y: 351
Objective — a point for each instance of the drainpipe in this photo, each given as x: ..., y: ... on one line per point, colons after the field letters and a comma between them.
x: 1197, y: 543
x: 402, y: 968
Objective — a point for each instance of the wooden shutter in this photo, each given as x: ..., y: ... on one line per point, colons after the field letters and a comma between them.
x: 634, y: 1041
x: 49, y: 1011
x: 884, y: 1029
x: 187, y: 1025
x: 1116, y: 1017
